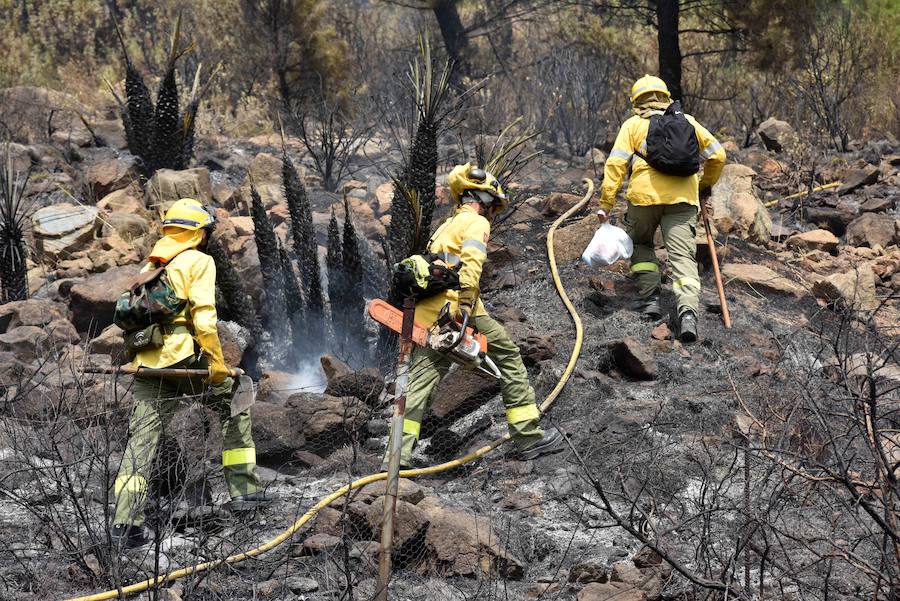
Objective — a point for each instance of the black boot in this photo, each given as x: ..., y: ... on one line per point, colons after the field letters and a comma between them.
x: 251, y: 501
x: 650, y: 308
x: 687, y: 326
x: 551, y: 442
x: 129, y: 536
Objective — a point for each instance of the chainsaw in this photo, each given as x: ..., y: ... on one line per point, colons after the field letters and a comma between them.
x: 456, y: 341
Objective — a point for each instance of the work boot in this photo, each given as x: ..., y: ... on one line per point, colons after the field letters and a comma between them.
x: 649, y: 307
x: 250, y: 501
x: 551, y: 442
x: 129, y: 536
x: 687, y: 326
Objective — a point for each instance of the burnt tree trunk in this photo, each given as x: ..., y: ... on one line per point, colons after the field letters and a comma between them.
x: 669, y: 48
x: 456, y: 39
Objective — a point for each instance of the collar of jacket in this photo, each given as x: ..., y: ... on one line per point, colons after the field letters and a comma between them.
x: 171, y: 245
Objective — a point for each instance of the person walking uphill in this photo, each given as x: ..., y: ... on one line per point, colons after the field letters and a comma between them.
x: 664, y: 148
x: 461, y: 242
x: 190, y: 277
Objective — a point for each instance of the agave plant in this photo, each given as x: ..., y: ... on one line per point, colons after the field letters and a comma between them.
x: 275, y: 311
x: 13, y: 266
x: 335, y: 265
x: 159, y: 134
x: 354, y: 301
x: 238, y: 302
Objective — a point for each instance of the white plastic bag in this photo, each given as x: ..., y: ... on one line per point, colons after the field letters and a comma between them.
x: 609, y: 244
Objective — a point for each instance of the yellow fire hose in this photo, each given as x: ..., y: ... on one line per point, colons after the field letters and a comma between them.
x: 411, y: 473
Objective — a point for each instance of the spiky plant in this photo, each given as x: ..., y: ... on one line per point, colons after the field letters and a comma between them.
x: 160, y: 135
x: 294, y: 302
x: 275, y: 307
x: 334, y: 264
x: 238, y: 302
x: 354, y: 302
x: 305, y: 247
x: 13, y: 266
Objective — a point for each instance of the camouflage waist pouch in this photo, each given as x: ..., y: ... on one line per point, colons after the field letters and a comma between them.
x: 145, y: 339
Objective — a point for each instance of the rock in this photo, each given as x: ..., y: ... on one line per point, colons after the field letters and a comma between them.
x: 366, y: 385
x: 570, y: 241
x: 326, y: 421
x: 275, y: 386
x: 123, y: 201
x: 649, y: 580
x: 93, y: 300
x: 300, y: 584
x: 62, y: 332
x: 633, y: 359
x: 536, y: 348
x: 410, y: 524
x: 384, y: 194
x: 761, y: 278
x: 814, y: 240
x: 871, y: 229
x: 775, y: 134
x: 592, y: 570
x: 62, y: 230
x: 736, y: 208
x: 833, y: 219
x: 265, y: 171
x: 858, y: 178
x: 27, y: 343
x: 111, y: 174
x: 610, y: 592
x: 110, y: 342
x: 878, y: 205
x: 407, y: 490
x: 507, y: 315
x: 853, y: 290
x: 268, y: 588
x: 595, y: 159
x: 459, y: 395
x: 334, y: 367
x: 661, y: 332
x: 126, y: 226
x: 275, y: 433
x: 320, y: 543
x: 558, y: 203
x: 167, y: 185
x: 31, y: 312
x: 647, y: 558
x: 235, y: 339
x: 464, y: 544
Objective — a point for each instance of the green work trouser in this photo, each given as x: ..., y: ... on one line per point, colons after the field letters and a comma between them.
x: 427, y: 367
x: 678, y: 223
x: 155, y: 400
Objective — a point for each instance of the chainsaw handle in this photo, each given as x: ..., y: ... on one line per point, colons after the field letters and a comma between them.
x: 462, y: 329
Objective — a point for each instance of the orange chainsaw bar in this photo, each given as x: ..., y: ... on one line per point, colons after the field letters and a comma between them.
x: 392, y: 318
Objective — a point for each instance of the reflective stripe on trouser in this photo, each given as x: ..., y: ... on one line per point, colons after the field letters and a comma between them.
x: 678, y: 223
x: 428, y: 367
x: 155, y: 401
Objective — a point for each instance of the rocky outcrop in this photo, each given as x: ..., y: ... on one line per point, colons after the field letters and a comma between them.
x: 776, y: 134
x: 113, y: 173
x: 167, y: 185
x: 736, y: 208
x: 326, y: 421
x: 814, y: 240
x: 62, y: 230
x: 761, y: 278
x: 871, y: 229
x: 853, y: 290
x: 858, y: 178
x: 31, y: 312
x: 570, y: 241
x: 93, y: 301
x: 265, y: 171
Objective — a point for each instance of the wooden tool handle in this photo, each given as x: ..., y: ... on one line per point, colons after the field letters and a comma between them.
x: 726, y: 316
x: 166, y: 372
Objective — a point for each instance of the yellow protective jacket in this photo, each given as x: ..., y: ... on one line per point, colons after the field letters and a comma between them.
x: 461, y: 239
x: 648, y: 186
x: 192, y: 274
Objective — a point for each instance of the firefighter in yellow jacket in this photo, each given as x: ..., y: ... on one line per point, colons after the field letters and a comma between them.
x: 461, y: 241
x: 191, y: 340
x: 657, y: 200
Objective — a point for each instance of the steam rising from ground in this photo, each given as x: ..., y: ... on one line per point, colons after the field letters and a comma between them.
x: 309, y: 377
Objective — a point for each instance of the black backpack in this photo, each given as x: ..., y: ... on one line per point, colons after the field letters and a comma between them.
x: 672, y: 146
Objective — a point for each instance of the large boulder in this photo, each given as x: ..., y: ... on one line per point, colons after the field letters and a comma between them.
x: 736, y: 208
x: 31, y: 312
x: 410, y: 524
x: 835, y: 219
x: 872, y: 229
x: 570, y: 241
x: 265, y: 172
x: 275, y: 433
x: 461, y: 543
x: 125, y: 200
x: 463, y: 392
x: 814, y: 240
x: 761, y: 278
x: 853, y: 290
x: 326, y: 421
x: 62, y: 230
x: 776, y: 135
x: 127, y: 226
x: 858, y: 178
x: 111, y: 174
x: 111, y: 341
x: 27, y: 343
x: 167, y: 185
x: 558, y: 203
x: 93, y: 300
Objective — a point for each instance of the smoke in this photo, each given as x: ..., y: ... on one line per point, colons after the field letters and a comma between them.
x: 309, y: 377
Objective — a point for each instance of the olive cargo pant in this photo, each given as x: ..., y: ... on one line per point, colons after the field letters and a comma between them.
x: 678, y: 223
x: 428, y: 367
x: 155, y: 400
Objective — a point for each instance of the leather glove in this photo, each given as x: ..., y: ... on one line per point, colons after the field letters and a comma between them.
x: 223, y: 388
x: 468, y: 298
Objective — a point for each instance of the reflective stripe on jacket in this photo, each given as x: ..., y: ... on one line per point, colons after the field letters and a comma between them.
x: 193, y: 277
x: 648, y: 186
x: 461, y: 239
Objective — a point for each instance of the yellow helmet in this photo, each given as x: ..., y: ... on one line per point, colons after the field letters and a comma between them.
x: 188, y: 214
x: 478, y: 185
x: 648, y: 83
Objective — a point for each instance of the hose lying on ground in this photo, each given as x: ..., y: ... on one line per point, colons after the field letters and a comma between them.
x: 411, y: 473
